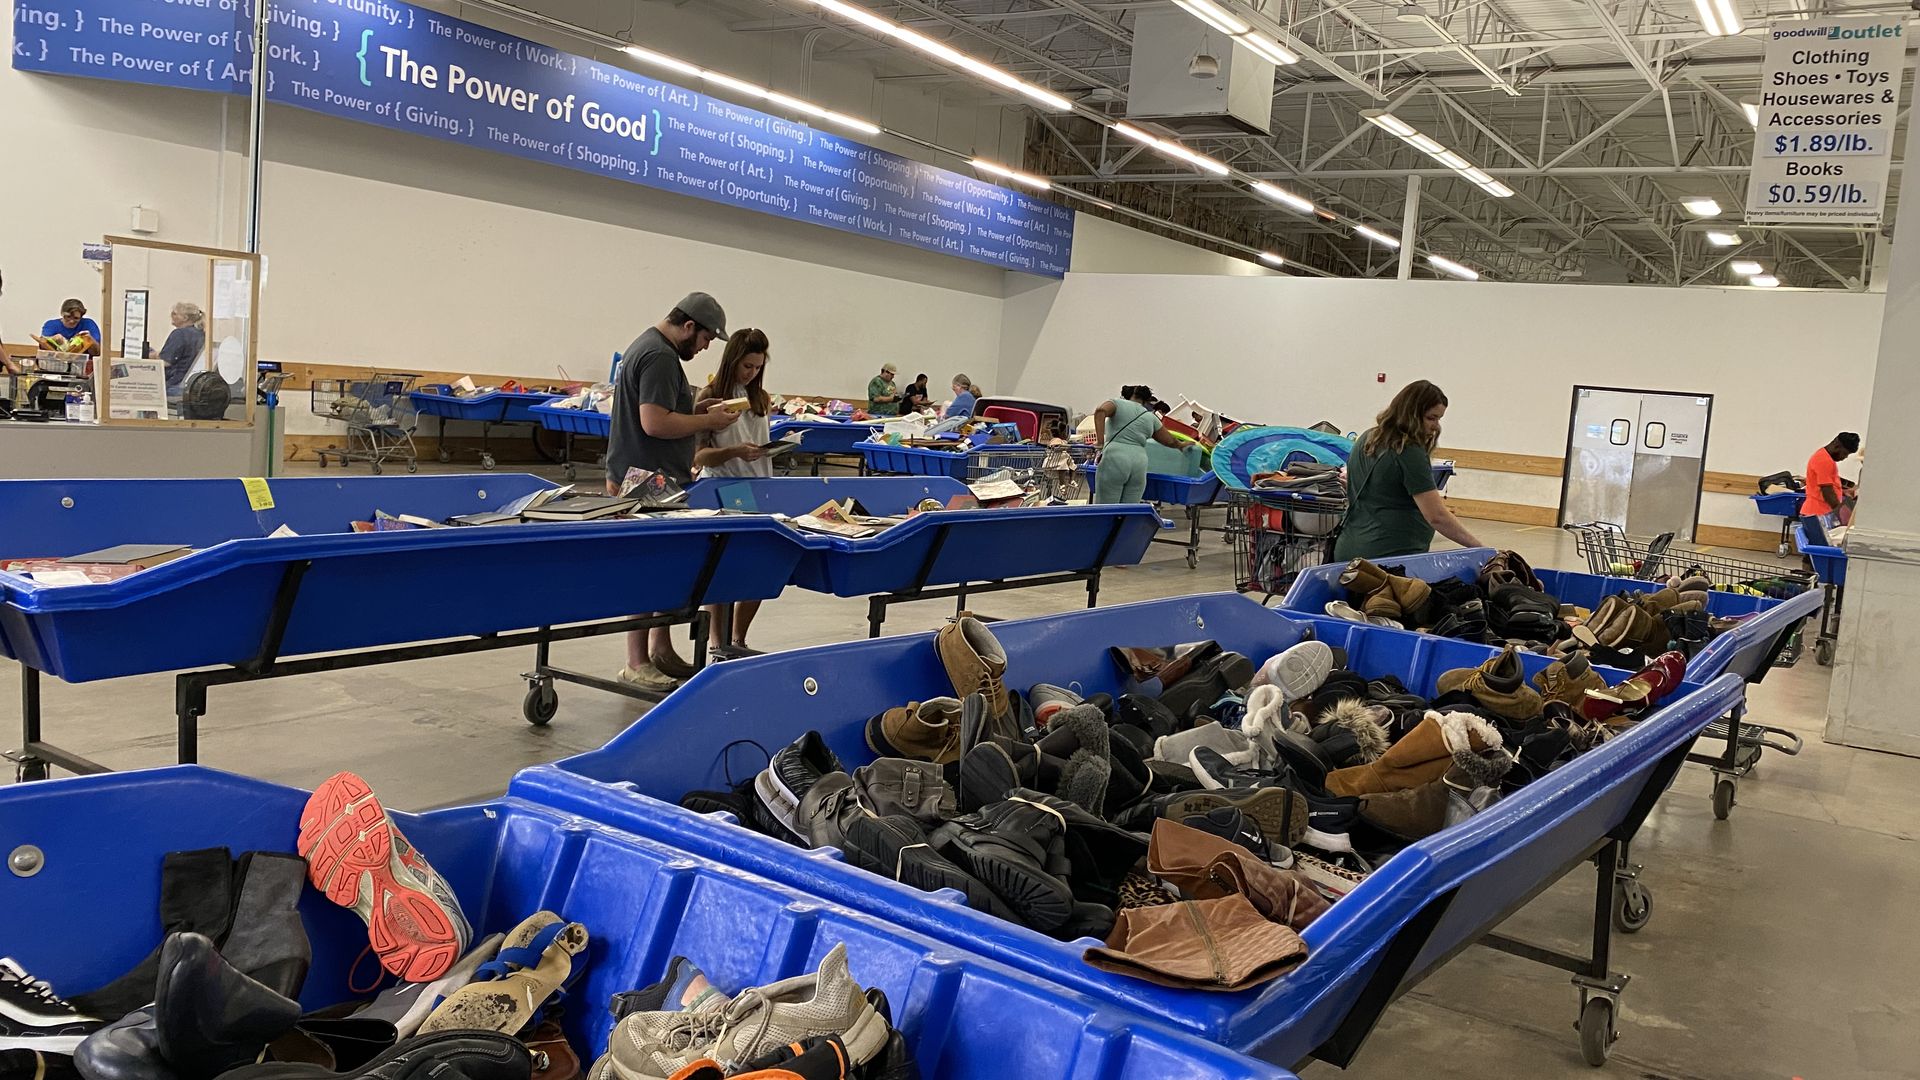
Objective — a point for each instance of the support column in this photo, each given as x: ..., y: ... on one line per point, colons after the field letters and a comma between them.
x: 1409, y: 226
x: 1870, y: 704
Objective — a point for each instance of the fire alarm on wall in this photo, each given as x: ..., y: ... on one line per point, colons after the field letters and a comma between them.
x: 1380, y: 377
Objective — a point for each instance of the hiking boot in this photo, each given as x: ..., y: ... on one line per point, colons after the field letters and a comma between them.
x: 1099, y: 854
x: 901, y: 786
x: 1498, y: 685
x: 793, y: 769
x: 897, y: 848
x: 1298, y: 670
x: 974, y: 660
x: 33, y: 1017
x: 1567, y: 681
x: 357, y: 858
x: 534, y: 962
x: 1015, y: 846
x: 928, y: 730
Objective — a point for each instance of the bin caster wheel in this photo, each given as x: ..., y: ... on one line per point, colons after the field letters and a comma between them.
x: 1784, y: 550
x: 375, y: 466
x: 1596, y: 1031
x: 322, y: 459
x: 1193, y: 559
x: 486, y: 462
x: 542, y: 702
x: 1722, y: 799
x: 26, y: 772
x: 446, y: 455
x: 1632, y: 907
x: 413, y: 466
x: 1823, y: 652
x: 569, y: 471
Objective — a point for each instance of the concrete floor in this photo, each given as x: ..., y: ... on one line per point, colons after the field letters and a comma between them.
x: 1782, y: 943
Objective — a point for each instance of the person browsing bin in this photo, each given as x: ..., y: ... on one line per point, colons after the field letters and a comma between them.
x: 1393, y: 505
x: 656, y: 423
x: 963, y: 398
x: 882, y: 398
x: 913, y: 396
x: 738, y: 451
x: 1121, y: 428
x: 1827, y: 494
x: 72, y: 320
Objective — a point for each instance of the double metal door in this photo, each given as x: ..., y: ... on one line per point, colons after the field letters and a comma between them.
x: 1636, y: 459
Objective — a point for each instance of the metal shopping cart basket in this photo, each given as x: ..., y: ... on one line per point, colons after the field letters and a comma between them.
x: 1277, y: 534
x: 1612, y: 553
x: 380, y: 419
x: 1029, y: 466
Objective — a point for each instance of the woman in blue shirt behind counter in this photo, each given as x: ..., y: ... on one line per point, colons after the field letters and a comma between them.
x: 183, y: 347
x: 72, y: 320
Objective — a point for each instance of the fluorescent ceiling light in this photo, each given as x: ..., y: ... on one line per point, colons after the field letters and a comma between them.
x: 1268, y: 49
x: 1745, y: 267
x: 663, y: 60
x: 1377, y: 236
x: 1453, y: 161
x: 1215, y: 16
x: 947, y: 53
x: 1414, y: 15
x: 1136, y: 134
x: 1425, y: 144
x: 1282, y: 195
x: 1202, y: 160
x: 1723, y: 239
x: 1764, y: 281
x: 1718, y: 17
x: 1393, y: 124
x: 752, y: 90
x: 1015, y: 175
x: 1702, y: 207
x: 1497, y: 189
x: 1752, y: 109
x: 1271, y: 259
x: 1477, y: 175
x: 1450, y: 267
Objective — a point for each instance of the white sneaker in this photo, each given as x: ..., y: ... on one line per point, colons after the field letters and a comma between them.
x: 1298, y: 671
x: 648, y: 677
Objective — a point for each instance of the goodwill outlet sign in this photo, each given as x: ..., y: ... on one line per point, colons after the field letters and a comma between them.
x: 410, y: 69
x: 1829, y: 97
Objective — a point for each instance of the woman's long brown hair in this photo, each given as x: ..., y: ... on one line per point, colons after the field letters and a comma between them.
x: 1405, y: 419
x: 743, y: 343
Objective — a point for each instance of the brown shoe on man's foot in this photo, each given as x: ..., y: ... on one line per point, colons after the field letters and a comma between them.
x: 668, y: 663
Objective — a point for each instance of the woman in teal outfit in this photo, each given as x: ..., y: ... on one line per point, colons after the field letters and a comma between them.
x: 1121, y: 428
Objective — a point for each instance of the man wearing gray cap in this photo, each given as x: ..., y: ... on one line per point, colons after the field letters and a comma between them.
x: 655, y: 424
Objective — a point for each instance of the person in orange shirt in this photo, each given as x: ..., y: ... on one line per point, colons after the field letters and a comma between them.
x: 1826, y: 492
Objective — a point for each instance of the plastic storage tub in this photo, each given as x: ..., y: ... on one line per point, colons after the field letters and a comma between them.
x: 1202, y: 490
x: 1739, y: 649
x: 495, y: 407
x: 590, y: 422
x: 355, y: 590
x: 101, y: 841
x: 1476, y: 873
x: 825, y: 437
x: 914, y: 460
x: 1784, y: 504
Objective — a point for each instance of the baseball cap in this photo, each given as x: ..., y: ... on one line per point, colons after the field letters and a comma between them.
x: 706, y: 311
x: 889, y: 369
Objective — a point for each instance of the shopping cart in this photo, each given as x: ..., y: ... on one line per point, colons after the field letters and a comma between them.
x: 380, y: 419
x: 1277, y: 534
x: 1611, y: 552
x: 1030, y: 466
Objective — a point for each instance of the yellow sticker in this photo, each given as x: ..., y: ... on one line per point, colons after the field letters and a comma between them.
x: 258, y: 495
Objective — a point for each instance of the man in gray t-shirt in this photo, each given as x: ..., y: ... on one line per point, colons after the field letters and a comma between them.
x: 655, y: 423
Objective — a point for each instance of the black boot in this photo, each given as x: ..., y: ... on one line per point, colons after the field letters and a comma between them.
x: 210, y: 1017
x: 268, y: 942
x: 196, y: 896
x: 472, y: 1055
x: 127, y: 1049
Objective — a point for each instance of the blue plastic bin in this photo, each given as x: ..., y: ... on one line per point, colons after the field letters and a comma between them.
x: 826, y: 437
x: 1202, y: 490
x: 968, y: 1018
x: 913, y: 460
x: 1745, y: 649
x: 1488, y: 866
x: 359, y: 590
x: 589, y: 422
x: 495, y: 407
x: 944, y: 548
x: 1784, y: 504
x: 1829, y: 563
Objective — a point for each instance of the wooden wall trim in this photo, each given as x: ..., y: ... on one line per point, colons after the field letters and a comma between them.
x: 1516, y: 513
x: 1726, y: 483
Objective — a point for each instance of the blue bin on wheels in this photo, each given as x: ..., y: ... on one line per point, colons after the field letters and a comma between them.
x: 1830, y: 569
x: 97, y: 845
x: 1749, y: 650
x: 1407, y: 917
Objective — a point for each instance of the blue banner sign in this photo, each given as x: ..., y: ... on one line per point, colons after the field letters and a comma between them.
x: 406, y: 68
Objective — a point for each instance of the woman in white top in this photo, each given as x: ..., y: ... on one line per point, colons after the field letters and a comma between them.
x: 735, y: 451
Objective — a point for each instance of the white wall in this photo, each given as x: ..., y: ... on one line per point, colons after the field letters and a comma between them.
x: 1786, y: 369
x: 1108, y: 247
x: 402, y: 250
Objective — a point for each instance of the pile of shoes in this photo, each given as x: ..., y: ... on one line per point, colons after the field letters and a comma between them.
x: 218, y: 997
x: 818, y: 1026
x: 1212, y: 808
x: 1506, y: 605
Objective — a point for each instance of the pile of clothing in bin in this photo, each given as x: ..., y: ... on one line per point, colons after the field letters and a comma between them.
x: 1195, y: 822
x: 1507, y: 604
x: 219, y: 994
